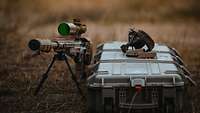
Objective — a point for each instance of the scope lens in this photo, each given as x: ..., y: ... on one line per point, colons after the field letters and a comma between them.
x: 63, y: 29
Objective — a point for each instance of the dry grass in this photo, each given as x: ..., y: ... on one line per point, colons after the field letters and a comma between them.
x: 19, y: 76
x: 22, y: 20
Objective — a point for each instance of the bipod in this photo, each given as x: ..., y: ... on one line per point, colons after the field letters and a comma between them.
x: 59, y: 56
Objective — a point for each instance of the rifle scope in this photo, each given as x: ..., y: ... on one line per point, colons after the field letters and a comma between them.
x: 65, y: 29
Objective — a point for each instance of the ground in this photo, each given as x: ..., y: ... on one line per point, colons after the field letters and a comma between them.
x: 172, y: 22
x: 20, y: 73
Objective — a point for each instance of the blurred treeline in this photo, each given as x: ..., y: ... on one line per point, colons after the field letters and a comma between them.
x: 99, y: 10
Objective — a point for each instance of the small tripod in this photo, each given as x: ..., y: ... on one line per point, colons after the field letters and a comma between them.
x: 59, y: 56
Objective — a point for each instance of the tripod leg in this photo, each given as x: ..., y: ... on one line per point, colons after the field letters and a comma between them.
x: 74, y: 78
x: 44, y: 76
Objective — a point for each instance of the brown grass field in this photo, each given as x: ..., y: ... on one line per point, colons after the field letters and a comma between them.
x: 174, y: 23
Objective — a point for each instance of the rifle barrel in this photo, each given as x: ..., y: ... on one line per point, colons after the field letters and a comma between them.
x: 45, y: 45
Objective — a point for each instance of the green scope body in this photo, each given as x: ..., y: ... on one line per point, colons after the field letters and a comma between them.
x: 46, y: 45
x: 66, y: 28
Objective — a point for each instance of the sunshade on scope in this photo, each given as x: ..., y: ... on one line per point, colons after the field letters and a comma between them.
x: 66, y: 28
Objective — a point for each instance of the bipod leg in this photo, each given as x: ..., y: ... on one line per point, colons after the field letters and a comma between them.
x: 82, y: 67
x: 44, y: 76
x: 74, y: 78
x: 82, y: 72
